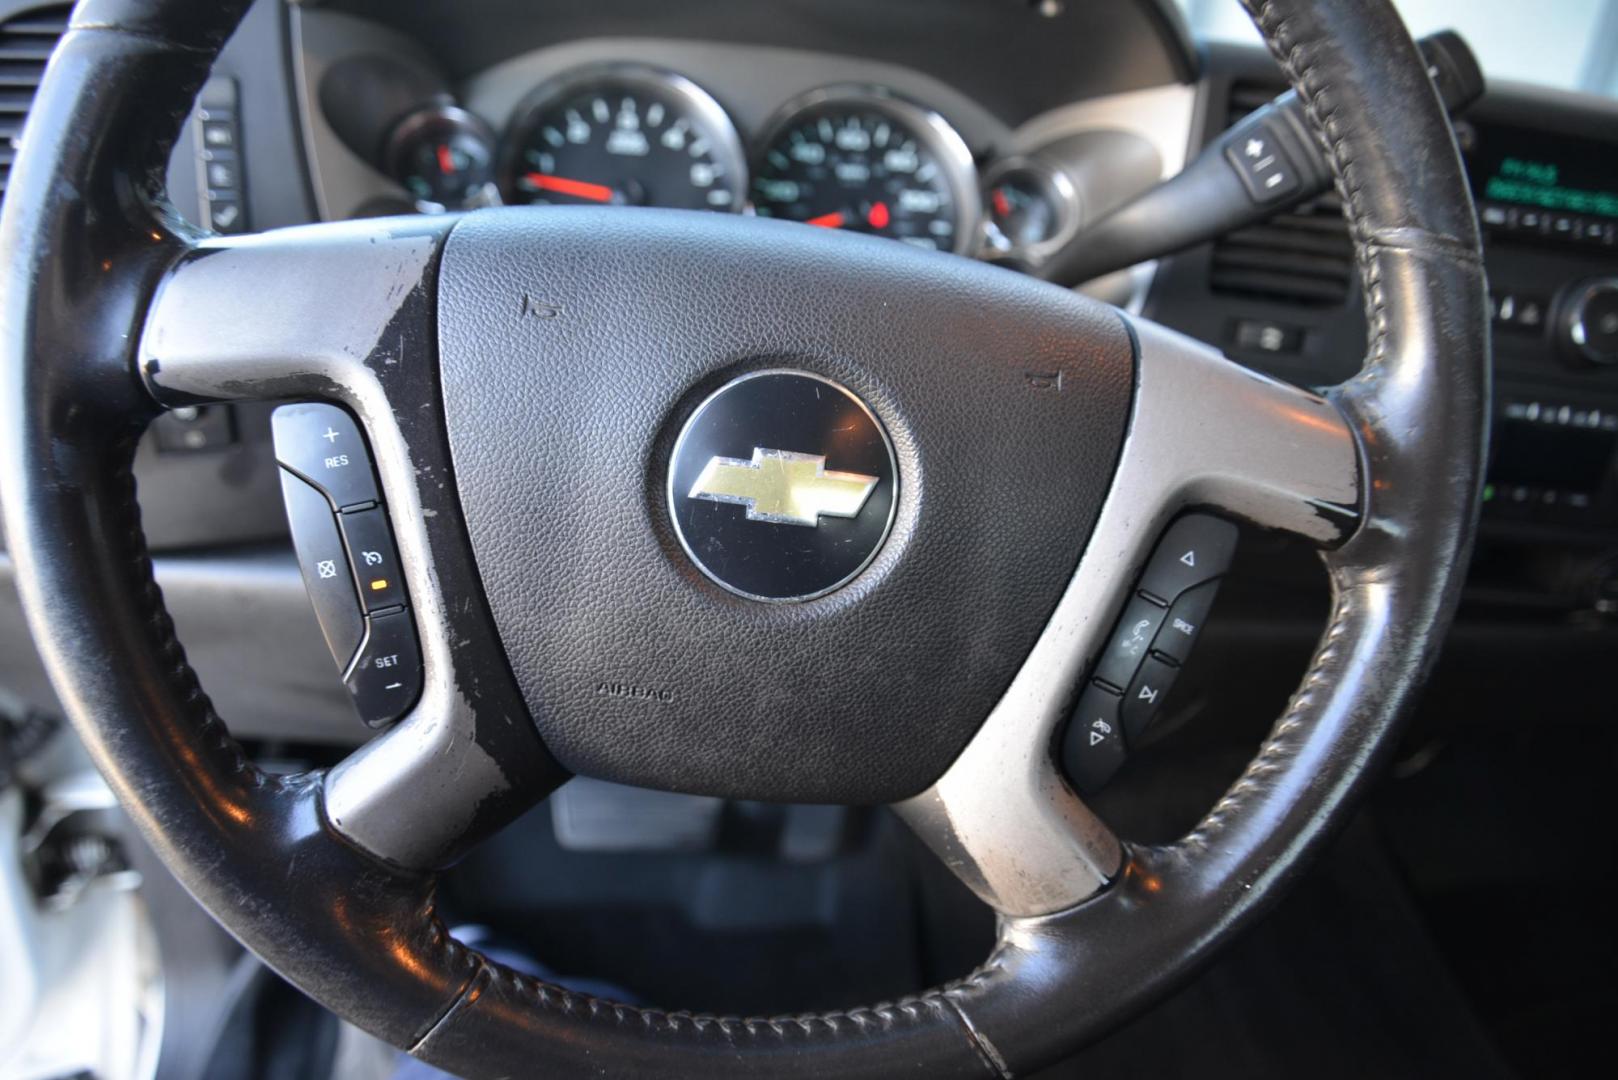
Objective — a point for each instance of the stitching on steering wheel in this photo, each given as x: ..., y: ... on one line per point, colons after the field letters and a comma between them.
x: 547, y: 995
x: 182, y: 677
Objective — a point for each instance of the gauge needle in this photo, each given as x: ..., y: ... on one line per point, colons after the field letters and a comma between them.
x: 877, y: 217
x: 579, y: 189
x: 446, y: 160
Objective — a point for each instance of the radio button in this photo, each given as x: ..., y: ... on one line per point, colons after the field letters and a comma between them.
x: 1184, y: 623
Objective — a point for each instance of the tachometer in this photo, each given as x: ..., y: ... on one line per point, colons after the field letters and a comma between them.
x: 624, y: 134
x: 859, y: 158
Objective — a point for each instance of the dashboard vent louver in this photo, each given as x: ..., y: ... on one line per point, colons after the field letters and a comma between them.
x: 26, y: 42
x: 1302, y: 257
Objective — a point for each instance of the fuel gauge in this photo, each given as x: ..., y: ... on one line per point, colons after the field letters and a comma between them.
x: 1031, y: 211
x: 443, y: 156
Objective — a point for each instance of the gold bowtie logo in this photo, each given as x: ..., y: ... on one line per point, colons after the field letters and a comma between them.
x: 785, y: 488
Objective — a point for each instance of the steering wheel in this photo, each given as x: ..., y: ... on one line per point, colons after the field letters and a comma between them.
x: 526, y: 379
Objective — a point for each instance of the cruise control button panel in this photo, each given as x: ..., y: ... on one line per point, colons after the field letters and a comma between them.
x: 348, y: 557
x: 322, y: 444
x: 1142, y: 658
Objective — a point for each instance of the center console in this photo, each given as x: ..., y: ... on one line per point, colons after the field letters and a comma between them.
x: 1284, y: 297
x: 1547, y: 198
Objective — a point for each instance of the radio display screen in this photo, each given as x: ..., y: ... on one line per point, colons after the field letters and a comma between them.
x: 1545, y: 171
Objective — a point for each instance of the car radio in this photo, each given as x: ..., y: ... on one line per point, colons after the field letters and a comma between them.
x: 1554, y: 462
x: 1548, y: 204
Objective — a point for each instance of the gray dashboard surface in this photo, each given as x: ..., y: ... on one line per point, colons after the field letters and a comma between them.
x: 247, y: 627
x: 1016, y: 58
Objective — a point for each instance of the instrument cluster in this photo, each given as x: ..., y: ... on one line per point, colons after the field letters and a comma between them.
x: 854, y: 157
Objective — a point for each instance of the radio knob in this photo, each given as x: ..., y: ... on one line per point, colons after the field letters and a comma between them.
x: 1590, y: 322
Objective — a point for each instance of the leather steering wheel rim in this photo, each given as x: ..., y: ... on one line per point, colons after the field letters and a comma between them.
x: 86, y: 245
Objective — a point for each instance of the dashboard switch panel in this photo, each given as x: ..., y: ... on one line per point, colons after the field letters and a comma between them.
x: 325, y: 567
x: 386, y: 677
x: 322, y: 444
x: 216, y: 131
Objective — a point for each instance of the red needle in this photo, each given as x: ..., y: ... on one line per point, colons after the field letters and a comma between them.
x: 446, y: 161
x: 579, y: 189
x: 877, y: 217
x: 1002, y: 205
x: 834, y: 220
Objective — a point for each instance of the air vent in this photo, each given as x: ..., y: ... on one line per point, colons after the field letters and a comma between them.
x: 26, y: 42
x: 1302, y: 257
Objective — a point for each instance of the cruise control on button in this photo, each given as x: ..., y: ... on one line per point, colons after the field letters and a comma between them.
x: 375, y: 562
x: 322, y: 444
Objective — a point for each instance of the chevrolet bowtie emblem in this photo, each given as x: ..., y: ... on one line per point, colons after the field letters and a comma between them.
x: 783, y: 487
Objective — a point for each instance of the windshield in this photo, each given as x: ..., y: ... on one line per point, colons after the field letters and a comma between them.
x: 1569, y: 44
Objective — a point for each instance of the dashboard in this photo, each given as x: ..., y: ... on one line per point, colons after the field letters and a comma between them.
x: 754, y: 124
x: 995, y: 129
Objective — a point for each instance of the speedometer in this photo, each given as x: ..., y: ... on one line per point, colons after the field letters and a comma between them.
x: 624, y: 134
x: 861, y: 159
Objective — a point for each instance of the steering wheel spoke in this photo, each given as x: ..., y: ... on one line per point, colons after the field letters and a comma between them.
x: 1205, y: 433
x: 340, y: 312
x: 343, y: 313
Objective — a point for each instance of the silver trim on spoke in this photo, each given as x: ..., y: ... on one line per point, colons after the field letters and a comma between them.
x: 327, y: 292
x: 1203, y: 432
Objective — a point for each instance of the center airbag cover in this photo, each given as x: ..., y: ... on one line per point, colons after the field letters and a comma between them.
x: 575, y: 343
